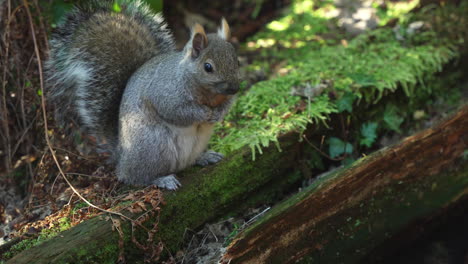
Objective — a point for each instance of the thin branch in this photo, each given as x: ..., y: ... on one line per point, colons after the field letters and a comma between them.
x: 20, y: 140
x: 4, y: 116
x: 83, y: 175
x: 320, y: 151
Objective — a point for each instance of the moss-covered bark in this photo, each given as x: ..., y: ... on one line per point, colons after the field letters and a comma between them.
x: 344, y: 216
x: 207, y: 193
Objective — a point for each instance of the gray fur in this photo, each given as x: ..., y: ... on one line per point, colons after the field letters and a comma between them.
x: 94, y: 51
x: 121, y: 77
x: 209, y: 157
x: 169, y: 182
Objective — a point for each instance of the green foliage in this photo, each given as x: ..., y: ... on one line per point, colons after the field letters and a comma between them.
x: 22, y: 245
x: 345, y: 103
x: 78, y: 206
x: 392, y: 118
x: 45, y: 234
x: 364, y: 71
x: 368, y: 134
x: 337, y: 147
x: 116, y: 7
x: 233, y: 234
x: 394, y: 10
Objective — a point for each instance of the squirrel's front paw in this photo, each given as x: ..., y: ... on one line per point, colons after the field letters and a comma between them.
x: 168, y: 182
x: 209, y: 157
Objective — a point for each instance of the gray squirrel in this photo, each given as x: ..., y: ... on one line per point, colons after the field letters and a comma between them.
x: 119, y: 75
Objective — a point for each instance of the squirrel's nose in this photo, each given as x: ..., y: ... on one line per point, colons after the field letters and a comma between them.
x: 228, y: 88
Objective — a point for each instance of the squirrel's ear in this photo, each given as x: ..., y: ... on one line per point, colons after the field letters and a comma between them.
x: 224, y: 32
x: 199, y: 40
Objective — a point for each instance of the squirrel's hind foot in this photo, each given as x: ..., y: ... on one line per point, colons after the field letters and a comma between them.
x: 168, y: 182
x: 209, y: 157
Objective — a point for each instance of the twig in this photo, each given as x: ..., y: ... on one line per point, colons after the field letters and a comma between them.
x: 345, y: 135
x: 73, y: 153
x: 20, y: 140
x: 320, y: 151
x: 251, y: 220
x: 83, y: 175
x: 53, y: 184
x: 4, y: 116
x: 41, y: 22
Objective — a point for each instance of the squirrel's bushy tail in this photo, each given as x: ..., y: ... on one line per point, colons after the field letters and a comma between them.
x: 94, y: 51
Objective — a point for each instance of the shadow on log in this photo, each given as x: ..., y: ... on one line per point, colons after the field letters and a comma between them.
x: 343, y: 216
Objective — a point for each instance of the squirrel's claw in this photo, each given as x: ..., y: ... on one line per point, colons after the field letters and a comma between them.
x: 168, y: 182
x: 209, y: 157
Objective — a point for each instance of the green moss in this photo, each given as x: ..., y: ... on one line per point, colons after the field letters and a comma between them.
x: 44, y: 235
x: 394, y: 10
x: 24, y: 244
x: 93, y: 254
x: 240, y: 177
x: 370, y: 67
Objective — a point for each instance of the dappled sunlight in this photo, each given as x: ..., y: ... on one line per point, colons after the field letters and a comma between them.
x: 308, y: 20
x: 278, y: 26
x: 305, y: 51
x: 395, y: 10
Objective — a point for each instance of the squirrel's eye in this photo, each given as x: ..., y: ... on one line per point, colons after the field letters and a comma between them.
x: 208, y: 67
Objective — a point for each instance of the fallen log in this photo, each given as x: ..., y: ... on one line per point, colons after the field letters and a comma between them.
x: 343, y: 216
x: 231, y: 186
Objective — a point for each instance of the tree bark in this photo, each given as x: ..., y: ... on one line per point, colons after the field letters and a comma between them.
x: 343, y: 216
x: 409, y: 173
x: 228, y: 187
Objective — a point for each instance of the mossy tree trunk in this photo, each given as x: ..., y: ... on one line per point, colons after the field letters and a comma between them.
x: 342, y: 217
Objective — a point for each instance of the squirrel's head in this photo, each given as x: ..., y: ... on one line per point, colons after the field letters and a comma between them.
x: 213, y: 61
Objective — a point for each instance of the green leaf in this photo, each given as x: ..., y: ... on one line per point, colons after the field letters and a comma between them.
x: 392, y: 119
x: 116, y: 7
x: 338, y: 147
x: 368, y: 134
x: 39, y: 92
x: 363, y: 79
x: 345, y: 103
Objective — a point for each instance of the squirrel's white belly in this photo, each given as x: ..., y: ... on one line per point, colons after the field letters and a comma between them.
x: 190, y: 142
